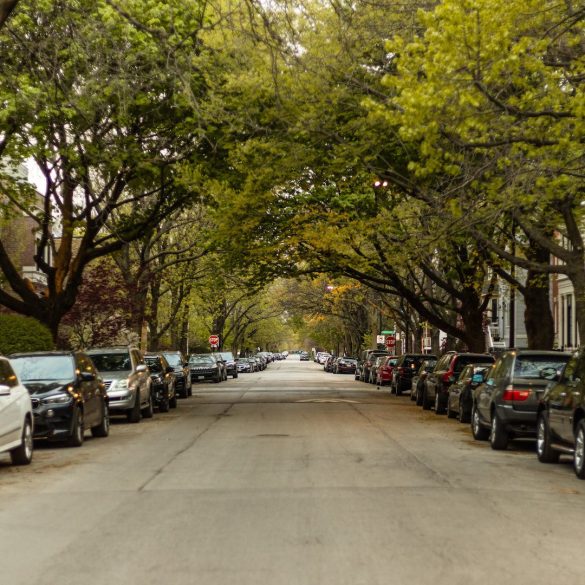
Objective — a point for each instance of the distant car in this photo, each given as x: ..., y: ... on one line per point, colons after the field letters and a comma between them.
x: 127, y: 380
x: 243, y: 365
x: 230, y: 363
x: 404, y: 370
x: 345, y: 365
x: 417, y: 382
x: 181, y: 368
x: 68, y: 396
x: 460, y: 398
x: 561, y: 417
x: 304, y: 356
x: 205, y: 367
x: 322, y: 357
x: 506, y: 404
x: 163, y: 378
x: 385, y: 369
x: 16, y: 417
x: 368, y: 358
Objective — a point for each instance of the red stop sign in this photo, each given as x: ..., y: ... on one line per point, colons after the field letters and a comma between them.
x: 214, y: 340
x: 390, y: 341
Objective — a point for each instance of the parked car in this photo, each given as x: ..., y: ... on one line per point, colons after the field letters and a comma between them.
x: 345, y: 365
x: 367, y: 359
x: 406, y: 366
x: 16, y: 416
x: 385, y: 369
x: 506, y: 404
x: 460, y: 398
x: 205, y: 367
x: 68, y: 396
x: 330, y: 363
x: 182, y: 375
x: 418, y: 380
x: 304, y: 356
x: 127, y: 380
x: 560, y: 424
x: 163, y: 380
x: 322, y: 357
x: 445, y: 372
x: 243, y: 365
x: 230, y: 363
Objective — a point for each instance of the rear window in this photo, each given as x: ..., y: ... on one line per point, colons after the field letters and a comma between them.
x: 538, y: 367
x: 111, y: 362
x: 463, y: 360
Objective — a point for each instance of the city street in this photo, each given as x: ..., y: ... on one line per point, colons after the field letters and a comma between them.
x: 291, y: 476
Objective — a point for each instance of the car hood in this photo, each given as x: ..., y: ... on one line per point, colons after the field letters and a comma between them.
x: 38, y: 387
x: 115, y: 375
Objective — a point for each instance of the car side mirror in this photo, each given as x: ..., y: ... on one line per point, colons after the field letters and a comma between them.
x: 4, y: 390
x: 142, y: 368
x: 87, y: 376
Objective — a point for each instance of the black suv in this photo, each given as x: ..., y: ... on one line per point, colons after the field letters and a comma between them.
x: 506, y: 404
x: 406, y: 367
x: 230, y: 363
x: 446, y: 371
x: 561, y: 417
x: 182, y: 376
x: 163, y: 378
x: 68, y: 396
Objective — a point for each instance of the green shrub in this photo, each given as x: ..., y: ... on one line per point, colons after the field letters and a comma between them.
x: 18, y: 333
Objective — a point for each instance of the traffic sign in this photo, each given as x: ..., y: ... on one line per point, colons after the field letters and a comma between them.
x: 390, y: 341
x: 390, y: 332
x: 214, y: 340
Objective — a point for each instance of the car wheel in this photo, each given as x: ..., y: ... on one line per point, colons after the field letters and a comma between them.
x: 425, y: 403
x: 579, y: 460
x: 103, y: 429
x: 418, y: 397
x: 450, y: 412
x: 173, y: 401
x: 499, y: 436
x: 23, y: 454
x: 235, y: 375
x: 134, y: 415
x: 149, y: 410
x: 463, y: 415
x: 438, y: 406
x: 397, y: 389
x: 479, y: 433
x: 217, y: 379
x: 190, y: 391
x: 77, y: 430
x: 164, y: 404
x: 544, y: 450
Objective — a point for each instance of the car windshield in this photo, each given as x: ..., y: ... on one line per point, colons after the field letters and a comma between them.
x: 153, y: 363
x: 227, y: 355
x: 538, y: 367
x: 201, y: 359
x: 112, y: 362
x: 43, y: 367
x: 174, y: 359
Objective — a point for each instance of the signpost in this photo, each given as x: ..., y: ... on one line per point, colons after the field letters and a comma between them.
x: 390, y: 342
x: 214, y: 341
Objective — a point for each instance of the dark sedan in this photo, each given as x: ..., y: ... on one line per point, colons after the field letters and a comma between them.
x: 68, y: 396
x: 346, y: 365
x: 163, y: 378
x: 460, y: 398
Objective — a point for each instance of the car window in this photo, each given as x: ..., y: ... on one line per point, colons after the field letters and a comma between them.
x: 112, y: 362
x: 153, y: 363
x: 44, y: 368
x: 201, y: 359
x: 174, y: 359
x: 443, y: 363
x: 538, y: 367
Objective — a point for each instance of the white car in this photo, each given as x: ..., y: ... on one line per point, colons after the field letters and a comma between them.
x: 16, y: 417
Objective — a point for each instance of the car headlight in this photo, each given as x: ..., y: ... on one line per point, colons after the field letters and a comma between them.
x: 61, y: 398
x: 120, y: 385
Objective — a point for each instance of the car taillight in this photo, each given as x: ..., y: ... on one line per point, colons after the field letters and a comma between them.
x: 513, y: 394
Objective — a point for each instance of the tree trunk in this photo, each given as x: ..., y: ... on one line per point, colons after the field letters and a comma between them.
x: 538, y: 316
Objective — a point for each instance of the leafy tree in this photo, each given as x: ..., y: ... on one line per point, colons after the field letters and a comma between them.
x: 18, y: 333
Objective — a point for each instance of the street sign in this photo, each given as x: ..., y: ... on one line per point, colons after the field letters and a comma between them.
x: 390, y: 341
x: 380, y: 339
x: 214, y: 340
x: 388, y: 332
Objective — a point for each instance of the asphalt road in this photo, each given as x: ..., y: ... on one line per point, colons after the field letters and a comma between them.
x: 290, y: 477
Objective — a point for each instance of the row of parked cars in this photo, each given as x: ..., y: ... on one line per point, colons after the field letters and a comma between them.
x: 60, y: 395
x: 520, y: 394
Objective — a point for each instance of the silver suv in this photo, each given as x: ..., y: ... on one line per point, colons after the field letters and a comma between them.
x: 127, y: 380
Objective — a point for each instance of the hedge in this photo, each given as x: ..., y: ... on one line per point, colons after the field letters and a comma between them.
x: 18, y: 333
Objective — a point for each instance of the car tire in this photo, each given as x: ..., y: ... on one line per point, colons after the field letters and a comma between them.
x: 23, y: 454
x: 148, y: 411
x: 439, y: 408
x: 544, y: 450
x: 103, y: 429
x: 164, y: 405
x: 190, y: 391
x: 499, y: 436
x: 173, y: 401
x: 479, y: 433
x: 579, y: 459
x: 425, y: 402
x: 397, y: 389
x: 217, y: 379
x: 77, y: 430
x: 418, y: 397
x: 450, y: 412
x: 235, y: 375
x: 463, y: 415
x: 134, y: 415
